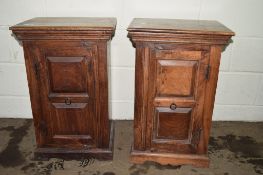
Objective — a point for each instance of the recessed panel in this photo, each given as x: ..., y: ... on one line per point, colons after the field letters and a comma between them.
x: 67, y: 74
x: 176, y: 77
x: 173, y: 124
x: 73, y: 123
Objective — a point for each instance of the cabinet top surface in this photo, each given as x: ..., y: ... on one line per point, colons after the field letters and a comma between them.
x: 178, y: 26
x: 67, y: 23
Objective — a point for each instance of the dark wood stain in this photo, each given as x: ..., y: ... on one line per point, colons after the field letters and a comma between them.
x: 66, y: 64
x: 179, y: 26
x: 176, y: 72
x: 67, y: 23
x: 11, y: 155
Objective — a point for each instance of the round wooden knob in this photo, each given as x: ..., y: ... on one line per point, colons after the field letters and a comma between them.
x: 173, y: 106
x: 67, y: 101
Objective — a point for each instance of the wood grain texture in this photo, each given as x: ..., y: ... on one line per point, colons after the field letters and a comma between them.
x: 68, y: 84
x: 67, y: 74
x: 179, y: 31
x: 141, y: 89
x: 140, y: 157
x: 179, y: 26
x: 102, y: 90
x: 63, y: 28
x: 69, y: 153
x: 172, y: 124
x: 175, y: 78
x: 174, y: 102
x: 67, y: 23
x: 215, y: 57
x: 175, y: 54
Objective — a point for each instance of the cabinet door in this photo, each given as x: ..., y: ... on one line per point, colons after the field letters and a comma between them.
x: 65, y: 73
x: 178, y: 76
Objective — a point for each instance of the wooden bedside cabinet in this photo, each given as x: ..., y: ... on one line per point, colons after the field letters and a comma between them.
x: 66, y: 63
x: 177, y: 64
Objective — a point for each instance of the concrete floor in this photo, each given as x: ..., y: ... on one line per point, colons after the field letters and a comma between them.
x: 236, y: 148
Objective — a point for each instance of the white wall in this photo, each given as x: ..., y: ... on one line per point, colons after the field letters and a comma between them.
x: 240, y: 89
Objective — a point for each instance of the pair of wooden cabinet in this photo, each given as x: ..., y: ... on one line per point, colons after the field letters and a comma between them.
x: 177, y: 64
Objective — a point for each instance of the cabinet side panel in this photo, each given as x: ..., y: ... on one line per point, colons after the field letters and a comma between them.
x: 215, y: 54
x: 141, y: 96
x: 33, y: 86
x: 102, y: 102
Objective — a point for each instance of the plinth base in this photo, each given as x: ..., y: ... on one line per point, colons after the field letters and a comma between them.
x: 67, y: 154
x: 139, y: 157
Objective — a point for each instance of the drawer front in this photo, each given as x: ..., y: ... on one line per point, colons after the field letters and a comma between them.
x: 67, y: 90
x: 176, y: 98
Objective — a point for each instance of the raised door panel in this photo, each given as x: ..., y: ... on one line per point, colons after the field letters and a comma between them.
x: 178, y: 82
x: 67, y: 90
x: 172, y: 130
x: 176, y: 77
x: 172, y: 123
x: 67, y: 74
